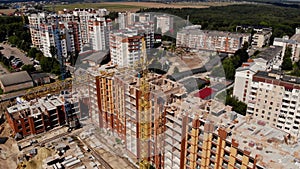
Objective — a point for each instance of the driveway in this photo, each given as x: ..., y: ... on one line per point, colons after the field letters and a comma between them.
x: 8, y: 51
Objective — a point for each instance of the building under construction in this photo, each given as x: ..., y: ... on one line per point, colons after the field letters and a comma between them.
x: 120, y: 104
x: 207, y: 134
x: 40, y: 115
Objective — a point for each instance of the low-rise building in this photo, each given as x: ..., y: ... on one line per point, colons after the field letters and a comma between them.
x: 36, y: 116
x: 42, y: 114
x: 15, y: 81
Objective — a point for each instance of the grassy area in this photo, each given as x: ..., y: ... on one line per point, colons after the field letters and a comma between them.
x: 110, y: 7
x: 221, y: 96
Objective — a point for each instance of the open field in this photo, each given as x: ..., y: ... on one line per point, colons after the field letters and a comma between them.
x: 135, y: 6
x: 7, y: 11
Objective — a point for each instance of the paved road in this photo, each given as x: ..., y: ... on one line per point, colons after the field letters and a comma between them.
x: 8, y: 51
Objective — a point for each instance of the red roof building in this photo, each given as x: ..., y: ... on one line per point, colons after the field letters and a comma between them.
x: 205, y: 93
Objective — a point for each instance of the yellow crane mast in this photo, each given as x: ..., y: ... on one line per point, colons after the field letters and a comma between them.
x: 144, y: 109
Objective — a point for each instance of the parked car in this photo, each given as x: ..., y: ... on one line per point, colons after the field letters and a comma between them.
x: 15, y: 59
x: 17, y: 64
x: 11, y: 58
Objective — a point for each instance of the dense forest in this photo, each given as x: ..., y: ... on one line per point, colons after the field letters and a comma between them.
x: 283, y: 20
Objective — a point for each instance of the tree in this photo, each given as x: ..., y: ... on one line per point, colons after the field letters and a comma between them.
x: 29, y: 68
x: 237, y: 105
x: 287, y: 63
x: 32, y: 52
x: 228, y: 69
x: 176, y: 70
x: 51, y: 65
x: 242, y: 54
x: 53, y: 51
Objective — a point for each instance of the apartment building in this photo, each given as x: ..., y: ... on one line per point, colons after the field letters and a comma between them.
x: 99, y: 34
x: 125, y: 19
x: 84, y: 15
x: 126, y: 45
x: 243, y: 79
x: 34, y: 25
x: 261, y: 38
x: 74, y: 30
x: 165, y: 23
x: 293, y: 43
x: 206, y: 134
x: 211, y: 40
x: 274, y: 99
x: 297, y: 31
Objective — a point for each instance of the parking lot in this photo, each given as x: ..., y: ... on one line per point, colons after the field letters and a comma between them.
x: 14, y: 51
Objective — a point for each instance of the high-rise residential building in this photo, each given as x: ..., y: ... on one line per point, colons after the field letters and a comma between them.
x: 126, y: 45
x: 164, y: 23
x: 243, y: 79
x: 211, y: 40
x: 34, y: 26
x: 126, y: 19
x: 76, y: 28
x: 98, y: 34
x: 73, y: 37
x: 115, y: 100
x: 161, y: 92
x: 274, y: 98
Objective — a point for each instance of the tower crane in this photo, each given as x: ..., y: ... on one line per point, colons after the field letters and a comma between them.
x: 144, y: 109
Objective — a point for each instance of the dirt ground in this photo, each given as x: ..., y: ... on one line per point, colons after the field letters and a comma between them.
x: 9, y: 150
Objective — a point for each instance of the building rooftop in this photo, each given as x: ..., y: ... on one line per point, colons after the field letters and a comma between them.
x: 205, y: 93
x: 274, y: 148
x: 264, y: 75
x: 15, y: 78
x: 270, y: 53
x: 296, y: 37
x: 36, y: 106
x: 97, y: 57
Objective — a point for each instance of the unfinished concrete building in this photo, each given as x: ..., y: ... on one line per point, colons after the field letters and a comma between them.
x: 119, y: 103
x: 36, y: 116
x: 206, y: 134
